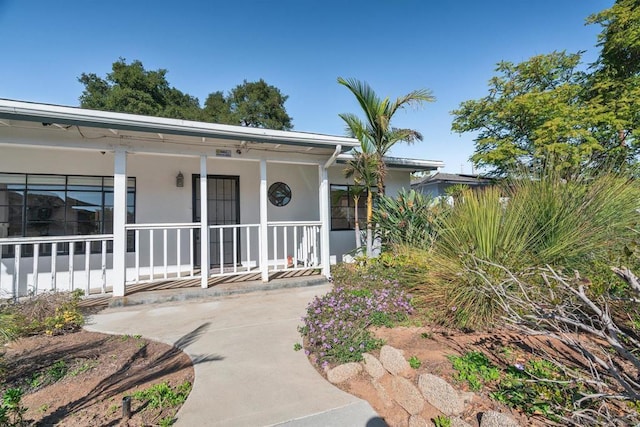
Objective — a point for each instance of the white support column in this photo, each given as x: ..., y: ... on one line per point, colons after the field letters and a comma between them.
x: 264, y: 246
x: 204, y: 224
x: 323, y: 189
x: 119, y: 222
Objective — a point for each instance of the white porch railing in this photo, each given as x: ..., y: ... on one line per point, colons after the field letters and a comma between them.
x: 162, y: 251
x: 235, y: 249
x: 33, y: 264
x: 296, y: 245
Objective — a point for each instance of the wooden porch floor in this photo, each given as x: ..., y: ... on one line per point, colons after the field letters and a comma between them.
x: 226, y: 283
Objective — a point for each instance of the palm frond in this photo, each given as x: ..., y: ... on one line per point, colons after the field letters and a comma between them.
x: 365, y: 95
x: 412, y: 99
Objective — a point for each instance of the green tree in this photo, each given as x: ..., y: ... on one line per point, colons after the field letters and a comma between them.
x: 615, y: 83
x: 257, y: 104
x: 534, y: 114
x: 130, y: 88
x: 375, y: 133
x: 549, y: 112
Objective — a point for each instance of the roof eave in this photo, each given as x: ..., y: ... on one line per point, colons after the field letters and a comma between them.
x: 46, y: 113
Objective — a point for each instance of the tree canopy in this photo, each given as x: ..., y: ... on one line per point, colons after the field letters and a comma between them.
x: 375, y: 132
x: 130, y: 88
x: 554, y: 111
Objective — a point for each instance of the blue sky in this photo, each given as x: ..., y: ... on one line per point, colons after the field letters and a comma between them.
x: 300, y: 46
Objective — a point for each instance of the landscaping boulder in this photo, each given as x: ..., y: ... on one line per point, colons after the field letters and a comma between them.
x: 417, y: 421
x: 382, y: 394
x: 393, y: 360
x: 372, y: 366
x: 497, y: 419
x: 407, y: 395
x: 342, y: 373
x: 440, y: 394
x: 459, y: 422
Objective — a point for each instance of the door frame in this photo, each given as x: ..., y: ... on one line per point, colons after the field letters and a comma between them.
x: 195, y: 180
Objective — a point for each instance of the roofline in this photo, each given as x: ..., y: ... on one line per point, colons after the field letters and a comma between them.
x: 75, y: 116
x: 402, y: 163
x: 463, y: 179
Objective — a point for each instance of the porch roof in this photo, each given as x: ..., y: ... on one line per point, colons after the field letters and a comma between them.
x: 413, y: 165
x: 57, y: 115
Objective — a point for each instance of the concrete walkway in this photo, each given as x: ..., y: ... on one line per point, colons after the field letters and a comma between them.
x: 246, y: 372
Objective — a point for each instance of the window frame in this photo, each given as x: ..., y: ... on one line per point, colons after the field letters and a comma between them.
x: 102, y: 191
x: 362, y: 205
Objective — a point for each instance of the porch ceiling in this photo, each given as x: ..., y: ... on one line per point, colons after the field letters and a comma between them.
x: 92, y: 125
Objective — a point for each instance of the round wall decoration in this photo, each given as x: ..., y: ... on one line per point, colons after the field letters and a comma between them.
x: 279, y: 194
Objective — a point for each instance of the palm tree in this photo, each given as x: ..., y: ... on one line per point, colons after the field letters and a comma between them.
x: 375, y: 133
x: 363, y: 168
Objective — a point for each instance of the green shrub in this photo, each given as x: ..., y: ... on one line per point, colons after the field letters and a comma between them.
x: 575, y: 225
x: 408, y: 219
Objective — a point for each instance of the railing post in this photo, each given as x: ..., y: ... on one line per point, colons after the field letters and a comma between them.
x: 16, y: 272
x: 324, y: 218
x: 264, y: 246
x: 119, y: 222
x: 204, y: 225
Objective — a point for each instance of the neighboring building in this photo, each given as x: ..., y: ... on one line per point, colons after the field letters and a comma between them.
x: 436, y: 185
x: 90, y: 199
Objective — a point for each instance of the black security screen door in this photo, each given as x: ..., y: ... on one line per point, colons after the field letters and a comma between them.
x: 223, y: 205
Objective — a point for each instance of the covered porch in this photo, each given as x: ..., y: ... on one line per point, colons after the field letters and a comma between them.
x: 162, y: 199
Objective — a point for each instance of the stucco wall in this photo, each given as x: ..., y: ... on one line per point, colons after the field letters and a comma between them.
x: 343, y: 241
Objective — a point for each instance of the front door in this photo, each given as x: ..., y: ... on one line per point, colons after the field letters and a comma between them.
x: 223, y: 205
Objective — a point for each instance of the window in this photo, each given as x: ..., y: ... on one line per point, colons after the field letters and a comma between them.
x: 343, y: 207
x: 279, y: 194
x: 59, y: 205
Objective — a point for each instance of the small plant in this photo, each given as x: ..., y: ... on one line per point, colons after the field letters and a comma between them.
x: 297, y: 347
x: 538, y: 387
x: 82, y: 368
x: 414, y: 362
x: 57, y: 371
x: 426, y: 335
x: 36, y: 380
x: 475, y: 369
x: 442, y: 421
x: 162, y: 395
x: 43, y: 408
x: 166, y: 421
x: 11, y: 411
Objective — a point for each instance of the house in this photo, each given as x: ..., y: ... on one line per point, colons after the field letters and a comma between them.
x: 436, y: 185
x: 90, y: 199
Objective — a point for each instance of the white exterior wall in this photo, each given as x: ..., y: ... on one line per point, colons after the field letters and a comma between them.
x: 343, y: 241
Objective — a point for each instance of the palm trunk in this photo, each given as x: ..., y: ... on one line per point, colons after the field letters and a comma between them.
x: 356, y: 199
x: 369, y: 220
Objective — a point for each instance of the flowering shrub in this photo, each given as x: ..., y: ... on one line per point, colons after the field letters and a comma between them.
x: 336, y: 323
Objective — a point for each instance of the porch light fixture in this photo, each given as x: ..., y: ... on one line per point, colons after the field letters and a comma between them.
x: 180, y: 180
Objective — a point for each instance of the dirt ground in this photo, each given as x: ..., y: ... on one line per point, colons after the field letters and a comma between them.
x: 99, y: 370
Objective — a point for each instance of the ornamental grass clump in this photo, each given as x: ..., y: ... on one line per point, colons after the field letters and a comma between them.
x: 335, y: 326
